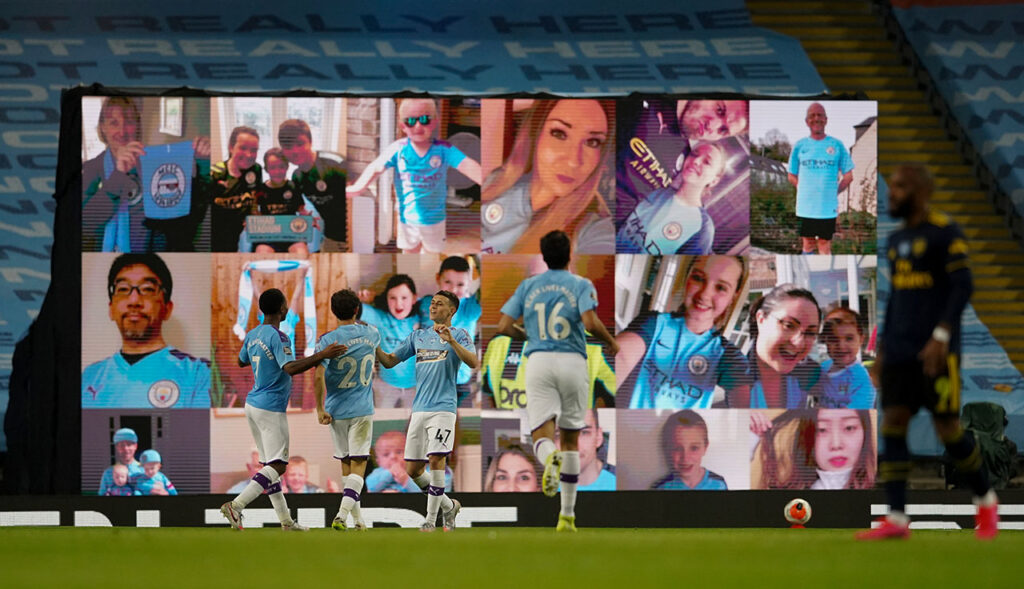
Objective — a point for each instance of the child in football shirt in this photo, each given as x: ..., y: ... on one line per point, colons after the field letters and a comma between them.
x: 680, y: 358
x: 847, y: 383
x: 421, y: 180
x: 395, y: 315
x: 121, y: 486
x: 684, y: 440
x: 279, y: 196
x: 152, y: 481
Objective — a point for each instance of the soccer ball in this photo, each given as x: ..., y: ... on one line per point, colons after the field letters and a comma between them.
x: 798, y: 511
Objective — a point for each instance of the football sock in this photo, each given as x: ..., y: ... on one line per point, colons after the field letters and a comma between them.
x: 570, y: 480
x: 353, y: 486
x: 895, y: 467
x: 280, y: 504
x: 967, y: 459
x: 260, y: 482
x: 542, y: 448
x: 422, y: 481
x: 435, y: 491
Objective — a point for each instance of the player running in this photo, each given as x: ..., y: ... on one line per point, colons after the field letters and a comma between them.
x: 918, y: 360
x: 556, y: 307
x: 439, y: 350
x: 273, y: 363
x: 348, y: 409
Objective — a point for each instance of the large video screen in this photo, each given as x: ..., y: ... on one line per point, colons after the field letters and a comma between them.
x: 730, y: 244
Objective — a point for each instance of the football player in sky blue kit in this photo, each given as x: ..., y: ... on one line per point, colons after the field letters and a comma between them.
x: 146, y: 372
x: 438, y: 350
x: 269, y: 353
x: 820, y: 167
x: 348, y: 408
x: 680, y: 358
x: 421, y: 180
x: 455, y: 276
x: 556, y: 307
x: 126, y: 442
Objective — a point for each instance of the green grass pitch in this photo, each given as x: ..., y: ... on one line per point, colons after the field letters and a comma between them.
x: 501, y: 557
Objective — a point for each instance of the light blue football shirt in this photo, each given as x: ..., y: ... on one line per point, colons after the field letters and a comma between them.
x: 392, y: 332
x: 135, y: 470
x: 847, y: 388
x: 348, y: 378
x: 817, y: 165
x: 421, y: 183
x: 166, y: 378
x: 267, y: 350
x: 552, y: 305
x: 660, y: 224
x: 436, y: 367
x: 465, y: 318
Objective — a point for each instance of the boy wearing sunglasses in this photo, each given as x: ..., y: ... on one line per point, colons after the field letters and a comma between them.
x: 421, y: 181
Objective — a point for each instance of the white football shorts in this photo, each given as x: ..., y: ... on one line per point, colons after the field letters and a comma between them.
x: 430, y: 432
x: 557, y: 387
x: 270, y: 430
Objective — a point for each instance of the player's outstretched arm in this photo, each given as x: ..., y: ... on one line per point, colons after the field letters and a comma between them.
x: 593, y: 324
x: 386, y: 360
x: 319, y: 387
x: 298, y: 366
x: 792, y: 179
x: 370, y: 173
x: 507, y: 326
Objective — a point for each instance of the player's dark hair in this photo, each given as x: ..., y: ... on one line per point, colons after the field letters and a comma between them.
x: 381, y: 300
x: 274, y: 152
x: 849, y: 316
x: 684, y: 418
x: 238, y: 131
x: 271, y: 301
x: 290, y: 130
x: 454, y: 300
x: 456, y: 263
x: 129, y: 111
x: 152, y: 261
x: 555, y: 247
x: 345, y: 304
x: 770, y: 301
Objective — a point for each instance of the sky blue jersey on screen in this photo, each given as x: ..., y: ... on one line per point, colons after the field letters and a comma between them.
x: 166, y: 378
x: 144, y: 485
x: 392, y: 332
x: 267, y: 350
x: 465, y: 318
x: 436, y: 367
x: 552, y: 305
x: 847, y: 388
x: 681, y: 369
x: 348, y: 378
x: 422, y: 182
x: 709, y: 482
x: 135, y: 470
x: 817, y: 164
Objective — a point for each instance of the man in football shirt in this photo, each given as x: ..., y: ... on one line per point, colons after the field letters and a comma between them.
x: 439, y: 350
x: 918, y: 359
x: 146, y: 373
x: 557, y: 308
x: 126, y: 442
x: 820, y: 167
x: 348, y: 407
x: 273, y: 363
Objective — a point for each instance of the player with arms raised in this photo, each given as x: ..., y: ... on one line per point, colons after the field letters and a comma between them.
x: 439, y: 351
x: 556, y: 306
x: 918, y: 361
x: 348, y: 408
x: 269, y: 353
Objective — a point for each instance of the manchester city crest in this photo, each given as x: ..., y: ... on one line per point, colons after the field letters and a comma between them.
x: 672, y: 231
x: 493, y: 213
x: 435, y: 161
x: 287, y: 195
x: 167, y: 185
x: 830, y: 150
x: 697, y: 364
x: 164, y: 393
x: 298, y: 225
x: 250, y: 178
x: 321, y: 186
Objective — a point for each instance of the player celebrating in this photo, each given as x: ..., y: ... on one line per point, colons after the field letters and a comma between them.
x: 556, y: 306
x: 919, y: 354
x: 269, y: 353
x: 349, y: 405
x: 439, y: 351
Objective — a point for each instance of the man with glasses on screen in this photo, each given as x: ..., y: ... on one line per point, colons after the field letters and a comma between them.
x: 145, y: 373
x: 556, y: 307
x: 321, y: 178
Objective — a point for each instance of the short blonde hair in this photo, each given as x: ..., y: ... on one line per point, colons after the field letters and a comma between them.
x: 413, y: 101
